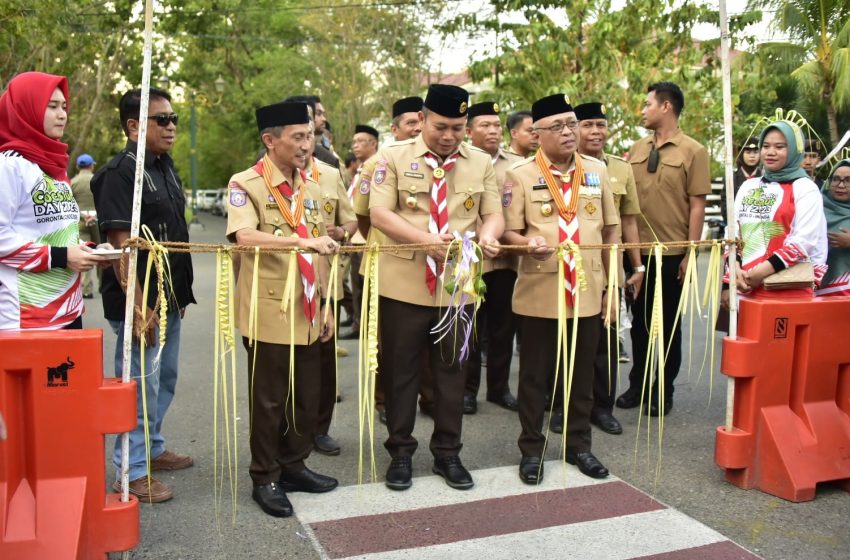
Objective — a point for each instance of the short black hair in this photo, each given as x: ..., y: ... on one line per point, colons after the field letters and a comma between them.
x: 668, y: 91
x: 315, y: 98
x: 349, y: 159
x: 308, y: 99
x: 131, y: 105
x: 515, y: 119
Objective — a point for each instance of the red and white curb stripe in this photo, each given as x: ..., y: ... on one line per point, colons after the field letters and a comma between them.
x: 568, y: 516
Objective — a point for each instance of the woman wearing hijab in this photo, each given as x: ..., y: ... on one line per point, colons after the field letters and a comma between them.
x: 836, y: 207
x: 780, y: 214
x: 40, y: 254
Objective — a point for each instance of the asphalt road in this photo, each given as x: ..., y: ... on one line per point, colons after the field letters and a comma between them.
x: 686, y: 477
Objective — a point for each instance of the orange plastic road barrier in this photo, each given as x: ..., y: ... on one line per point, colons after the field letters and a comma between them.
x: 791, y: 423
x: 57, y: 407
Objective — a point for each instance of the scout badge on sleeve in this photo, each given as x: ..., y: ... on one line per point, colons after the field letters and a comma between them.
x: 380, y: 172
x: 238, y: 197
x: 507, y: 194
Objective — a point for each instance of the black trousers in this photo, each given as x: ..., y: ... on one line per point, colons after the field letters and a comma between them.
x: 536, y: 373
x: 327, y: 392
x: 641, y: 319
x: 282, y: 424
x: 605, y: 370
x: 500, y: 326
x: 406, y: 342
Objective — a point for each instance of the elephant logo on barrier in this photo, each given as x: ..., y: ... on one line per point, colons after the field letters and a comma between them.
x: 58, y: 376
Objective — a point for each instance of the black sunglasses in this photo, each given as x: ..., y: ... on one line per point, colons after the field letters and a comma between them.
x: 163, y: 120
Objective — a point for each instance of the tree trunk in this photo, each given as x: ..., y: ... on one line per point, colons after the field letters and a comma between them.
x: 830, y: 112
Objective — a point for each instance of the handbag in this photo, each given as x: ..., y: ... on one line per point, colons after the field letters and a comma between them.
x: 799, y: 276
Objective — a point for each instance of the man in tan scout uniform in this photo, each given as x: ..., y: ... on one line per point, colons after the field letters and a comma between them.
x: 340, y: 223
x: 406, y: 124
x: 422, y: 190
x: 364, y: 145
x: 524, y: 141
x: 593, y: 134
x: 672, y: 177
x: 484, y: 129
x: 275, y: 204
x: 549, y: 194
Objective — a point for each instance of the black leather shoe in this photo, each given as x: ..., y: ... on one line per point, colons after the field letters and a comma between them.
x: 629, y: 399
x: 507, y: 401
x: 326, y: 445
x: 352, y: 334
x: 652, y: 409
x: 556, y: 422
x: 470, y: 405
x: 272, y: 500
x: 588, y: 464
x: 382, y: 416
x: 347, y: 323
x: 451, y: 469
x: 531, y: 470
x: 606, y: 422
x: 399, y: 474
x: 307, y: 481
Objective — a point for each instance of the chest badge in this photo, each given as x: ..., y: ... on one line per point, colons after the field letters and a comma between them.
x: 546, y: 209
x: 315, y: 231
x: 329, y: 208
x: 410, y: 202
x: 439, y: 173
x: 469, y: 203
x: 590, y: 208
x: 278, y: 232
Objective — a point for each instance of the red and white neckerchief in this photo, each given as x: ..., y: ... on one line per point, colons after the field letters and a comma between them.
x: 293, y: 213
x: 439, y: 219
x: 565, y: 192
x: 354, y: 181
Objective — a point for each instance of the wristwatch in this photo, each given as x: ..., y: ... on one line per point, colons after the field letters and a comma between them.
x: 640, y: 268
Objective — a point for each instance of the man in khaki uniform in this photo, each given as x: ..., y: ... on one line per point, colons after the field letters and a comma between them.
x: 524, y: 140
x: 364, y: 145
x: 484, y: 129
x: 406, y: 124
x: 275, y: 204
x: 672, y: 177
x: 421, y: 190
x: 340, y: 223
x: 593, y: 134
x: 89, y: 231
x: 549, y: 194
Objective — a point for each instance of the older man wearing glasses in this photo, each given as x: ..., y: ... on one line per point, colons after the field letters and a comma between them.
x: 672, y: 176
x: 555, y: 198
x: 163, y: 206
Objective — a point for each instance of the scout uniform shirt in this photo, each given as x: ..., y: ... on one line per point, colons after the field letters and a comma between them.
x: 334, y: 205
x: 536, y: 289
x: 623, y: 189
x: 361, y: 203
x: 501, y: 163
x: 251, y: 206
x: 402, y: 183
x: 682, y: 171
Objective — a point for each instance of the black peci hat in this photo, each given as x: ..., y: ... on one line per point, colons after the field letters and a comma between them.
x: 282, y: 114
x: 550, y: 105
x: 592, y: 110
x: 448, y: 101
x: 813, y: 146
x: 367, y: 129
x: 484, y: 108
x: 407, y: 105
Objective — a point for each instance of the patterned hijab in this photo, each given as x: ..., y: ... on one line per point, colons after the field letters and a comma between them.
x: 794, y: 137
x: 22, y: 108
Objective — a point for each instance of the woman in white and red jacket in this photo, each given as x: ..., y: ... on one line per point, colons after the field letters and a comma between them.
x: 40, y: 252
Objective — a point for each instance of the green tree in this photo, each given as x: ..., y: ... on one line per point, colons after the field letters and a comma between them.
x: 818, y: 50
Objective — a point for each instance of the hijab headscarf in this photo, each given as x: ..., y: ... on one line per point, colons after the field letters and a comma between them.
x: 794, y: 138
x: 837, y: 216
x: 22, y: 108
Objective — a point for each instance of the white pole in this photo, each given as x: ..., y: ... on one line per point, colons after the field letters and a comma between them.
x: 732, y: 224
x: 134, y: 252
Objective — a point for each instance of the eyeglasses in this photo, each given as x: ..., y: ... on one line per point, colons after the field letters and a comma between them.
x: 557, y: 128
x: 843, y: 181
x: 163, y: 120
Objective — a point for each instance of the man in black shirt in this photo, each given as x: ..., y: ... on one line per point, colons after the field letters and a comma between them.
x: 163, y: 206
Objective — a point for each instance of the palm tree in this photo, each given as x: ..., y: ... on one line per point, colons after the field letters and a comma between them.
x: 818, y: 34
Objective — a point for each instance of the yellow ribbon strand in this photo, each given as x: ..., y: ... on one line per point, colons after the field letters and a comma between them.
x: 288, y: 304
x: 367, y: 366
x: 613, y: 304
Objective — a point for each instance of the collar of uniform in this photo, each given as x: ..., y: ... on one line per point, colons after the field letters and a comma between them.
x: 421, y: 148
x: 555, y: 171
x: 150, y: 158
x: 675, y: 139
x: 278, y: 179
